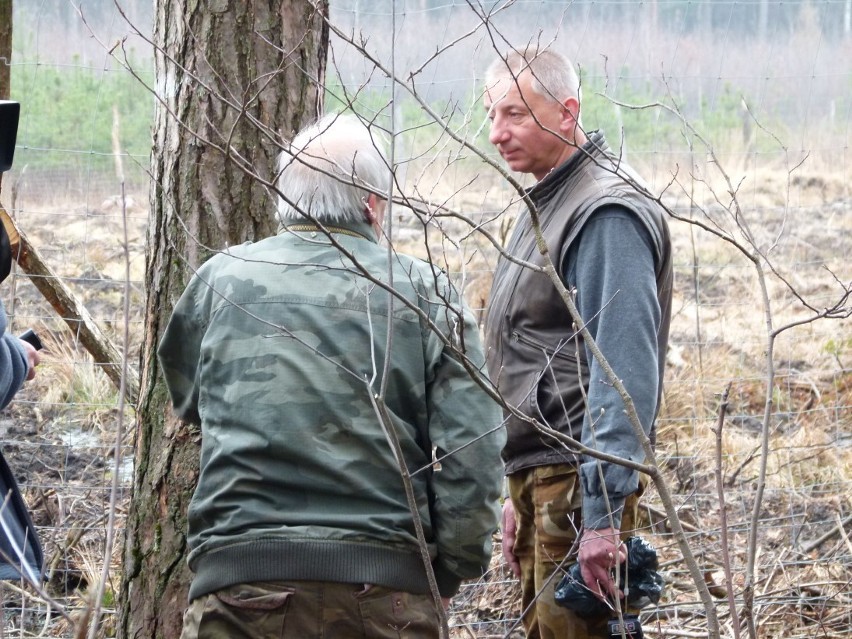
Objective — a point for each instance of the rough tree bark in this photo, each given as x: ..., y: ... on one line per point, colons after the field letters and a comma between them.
x: 5, y: 48
x: 268, y: 58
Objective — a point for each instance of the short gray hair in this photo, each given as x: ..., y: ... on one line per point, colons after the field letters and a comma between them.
x: 329, y: 170
x: 553, y: 75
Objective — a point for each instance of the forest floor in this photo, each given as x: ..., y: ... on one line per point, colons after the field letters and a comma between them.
x: 61, y: 433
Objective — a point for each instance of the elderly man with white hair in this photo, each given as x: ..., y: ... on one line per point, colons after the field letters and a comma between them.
x: 300, y: 525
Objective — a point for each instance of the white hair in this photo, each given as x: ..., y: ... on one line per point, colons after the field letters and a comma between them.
x: 329, y: 170
x: 553, y: 75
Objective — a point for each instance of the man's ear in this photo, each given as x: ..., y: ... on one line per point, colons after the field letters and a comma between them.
x: 370, y: 209
x: 570, y: 117
x: 374, y: 209
x: 374, y: 212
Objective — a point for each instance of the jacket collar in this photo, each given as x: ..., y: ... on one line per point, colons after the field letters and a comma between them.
x: 360, y: 229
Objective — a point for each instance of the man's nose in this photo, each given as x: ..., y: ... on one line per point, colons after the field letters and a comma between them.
x: 498, y: 132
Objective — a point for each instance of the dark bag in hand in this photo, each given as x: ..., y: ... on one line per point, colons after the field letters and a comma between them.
x: 644, y: 583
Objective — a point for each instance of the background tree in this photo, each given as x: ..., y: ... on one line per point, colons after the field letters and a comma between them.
x: 5, y: 47
x: 228, y: 81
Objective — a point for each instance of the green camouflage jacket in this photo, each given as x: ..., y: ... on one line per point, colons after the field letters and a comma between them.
x: 276, y: 349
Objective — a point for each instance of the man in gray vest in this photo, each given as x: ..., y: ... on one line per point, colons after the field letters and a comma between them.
x: 610, y: 244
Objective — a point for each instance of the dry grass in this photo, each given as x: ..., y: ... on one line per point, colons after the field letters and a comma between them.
x: 718, y: 338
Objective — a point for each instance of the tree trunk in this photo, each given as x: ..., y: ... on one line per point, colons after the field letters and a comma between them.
x: 214, y: 59
x: 5, y: 49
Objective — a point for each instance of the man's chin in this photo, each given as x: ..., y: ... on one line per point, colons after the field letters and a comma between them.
x: 517, y: 165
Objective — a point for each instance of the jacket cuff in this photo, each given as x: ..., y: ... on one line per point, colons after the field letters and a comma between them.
x: 448, y: 583
x: 620, y: 482
x: 18, y: 364
x: 596, y: 512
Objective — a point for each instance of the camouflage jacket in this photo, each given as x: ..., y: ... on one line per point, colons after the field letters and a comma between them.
x: 277, y: 349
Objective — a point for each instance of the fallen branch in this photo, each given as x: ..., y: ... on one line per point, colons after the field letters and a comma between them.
x: 838, y: 529
x: 672, y: 632
x: 658, y: 516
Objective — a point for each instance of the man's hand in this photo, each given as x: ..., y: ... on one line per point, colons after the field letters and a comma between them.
x: 600, y: 551
x: 33, y: 359
x: 509, y: 526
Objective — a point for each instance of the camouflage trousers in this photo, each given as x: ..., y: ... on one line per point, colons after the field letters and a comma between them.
x: 547, y: 502
x: 308, y: 610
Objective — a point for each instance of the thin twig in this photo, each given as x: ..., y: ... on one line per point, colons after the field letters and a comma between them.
x: 723, y: 515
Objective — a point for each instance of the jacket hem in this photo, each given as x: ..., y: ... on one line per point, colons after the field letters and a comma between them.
x: 308, y: 560
x: 531, y: 461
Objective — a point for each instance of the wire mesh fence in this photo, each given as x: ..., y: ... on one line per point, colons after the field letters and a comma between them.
x: 755, y: 131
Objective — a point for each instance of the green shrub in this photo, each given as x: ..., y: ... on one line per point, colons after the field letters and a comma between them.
x: 67, y: 116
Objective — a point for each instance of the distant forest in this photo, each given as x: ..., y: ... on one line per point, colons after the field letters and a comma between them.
x: 785, y: 63
x: 741, y: 17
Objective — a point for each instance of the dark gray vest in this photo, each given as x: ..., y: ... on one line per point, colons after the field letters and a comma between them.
x: 534, y: 356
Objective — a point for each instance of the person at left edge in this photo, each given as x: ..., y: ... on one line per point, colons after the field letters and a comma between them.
x: 20, y: 551
x: 299, y: 526
x: 18, y: 358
